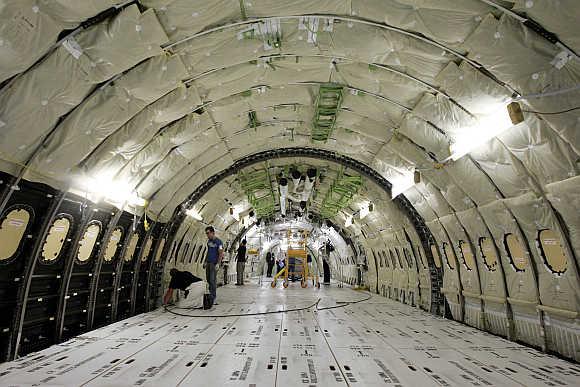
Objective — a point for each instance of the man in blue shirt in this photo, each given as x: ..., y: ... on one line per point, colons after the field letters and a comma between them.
x: 215, y: 253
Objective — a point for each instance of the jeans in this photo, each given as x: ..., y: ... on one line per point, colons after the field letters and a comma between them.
x: 270, y: 268
x: 240, y: 272
x: 210, y: 276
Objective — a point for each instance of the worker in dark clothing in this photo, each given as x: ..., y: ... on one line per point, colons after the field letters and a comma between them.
x: 270, y: 263
x: 213, y: 260
x: 241, y: 262
x: 181, y: 280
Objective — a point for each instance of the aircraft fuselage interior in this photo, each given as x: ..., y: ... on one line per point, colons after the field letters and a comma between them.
x: 289, y: 193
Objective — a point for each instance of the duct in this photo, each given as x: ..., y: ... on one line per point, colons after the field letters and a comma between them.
x: 283, y: 186
x: 296, y: 177
x: 308, y: 184
x: 53, y: 88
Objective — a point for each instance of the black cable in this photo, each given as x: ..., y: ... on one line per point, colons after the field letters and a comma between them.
x: 346, y: 303
x: 552, y: 113
x: 241, y: 314
x: 315, y: 305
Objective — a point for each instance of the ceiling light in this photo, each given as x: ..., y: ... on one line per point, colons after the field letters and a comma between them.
x: 364, y: 211
x: 115, y: 192
x: 485, y: 128
x: 194, y: 214
x: 348, y: 221
x: 401, y: 183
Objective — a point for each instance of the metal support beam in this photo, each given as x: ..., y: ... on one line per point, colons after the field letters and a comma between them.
x: 118, y: 272
x: 137, y: 268
x: 87, y: 212
x: 153, y: 267
x: 22, y: 303
x: 97, y: 268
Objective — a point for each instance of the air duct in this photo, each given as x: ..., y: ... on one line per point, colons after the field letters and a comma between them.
x: 296, y: 175
x: 283, y: 194
x: 308, y: 184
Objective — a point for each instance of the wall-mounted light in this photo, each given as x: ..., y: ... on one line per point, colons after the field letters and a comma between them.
x: 416, y: 177
x: 348, y: 222
x: 401, y: 183
x: 115, y: 192
x: 485, y: 128
x: 364, y: 211
x: 194, y: 214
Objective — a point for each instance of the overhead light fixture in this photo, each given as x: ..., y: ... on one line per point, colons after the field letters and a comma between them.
x: 364, y: 211
x: 194, y: 214
x: 486, y: 128
x: 115, y: 192
x: 283, y: 185
x: 401, y: 183
x: 348, y: 221
x: 416, y: 177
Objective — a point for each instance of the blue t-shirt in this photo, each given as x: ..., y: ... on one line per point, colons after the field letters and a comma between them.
x: 213, y: 248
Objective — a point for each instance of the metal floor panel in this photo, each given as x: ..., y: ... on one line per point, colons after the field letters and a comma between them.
x: 244, y: 364
x: 370, y: 343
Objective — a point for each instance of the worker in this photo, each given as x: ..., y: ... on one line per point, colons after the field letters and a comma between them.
x: 241, y: 262
x: 270, y: 263
x: 280, y: 262
x: 215, y: 254
x: 181, y: 280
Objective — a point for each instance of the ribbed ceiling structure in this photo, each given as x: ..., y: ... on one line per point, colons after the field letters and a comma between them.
x: 154, y: 97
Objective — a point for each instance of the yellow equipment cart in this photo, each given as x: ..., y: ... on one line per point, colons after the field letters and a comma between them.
x: 299, y: 267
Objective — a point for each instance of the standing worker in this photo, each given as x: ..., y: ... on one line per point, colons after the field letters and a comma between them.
x: 270, y: 262
x: 181, y: 280
x: 241, y: 262
x: 215, y: 254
